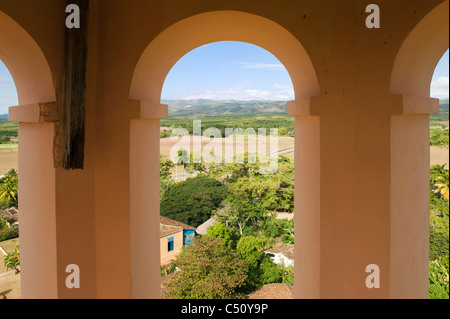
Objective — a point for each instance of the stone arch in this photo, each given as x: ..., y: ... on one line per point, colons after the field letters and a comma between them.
x: 26, y: 62
x: 420, y: 53
x: 410, y: 139
x: 184, y: 36
x: 148, y: 79
x: 33, y: 80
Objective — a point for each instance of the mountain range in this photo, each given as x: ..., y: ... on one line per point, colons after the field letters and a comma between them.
x: 212, y: 107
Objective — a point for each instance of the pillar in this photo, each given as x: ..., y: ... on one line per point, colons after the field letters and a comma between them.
x: 56, y: 211
x: 362, y: 197
x: 144, y: 202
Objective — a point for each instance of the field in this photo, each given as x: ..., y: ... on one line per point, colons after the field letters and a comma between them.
x: 8, y: 159
x: 283, y: 143
x: 439, y: 155
x: 231, y: 114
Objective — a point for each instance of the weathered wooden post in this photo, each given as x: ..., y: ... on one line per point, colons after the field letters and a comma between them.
x: 73, y: 97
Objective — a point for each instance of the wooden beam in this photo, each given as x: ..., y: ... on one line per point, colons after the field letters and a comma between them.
x: 74, y: 91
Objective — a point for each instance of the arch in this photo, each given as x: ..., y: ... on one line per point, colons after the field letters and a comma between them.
x: 146, y: 86
x: 33, y: 80
x: 184, y: 36
x: 420, y: 53
x: 26, y: 63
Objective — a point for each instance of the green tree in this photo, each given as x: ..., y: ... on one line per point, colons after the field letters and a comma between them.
x: 9, y: 188
x: 261, y: 270
x: 238, y: 214
x: 275, y: 192
x: 439, y: 279
x: 192, y: 201
x: 209, y: 269
x: 165, y: 165
x: 442, y: 187
x: 182, y: 159
x: 435, y: 172
x: 222, y: 231
x: 12, y: 260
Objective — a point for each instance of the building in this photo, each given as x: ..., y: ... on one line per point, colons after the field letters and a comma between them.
x: 89, y: 125
x: 282, y: 254
x: 173, y: 236
x: 11, y: 215
x: 203, y: 228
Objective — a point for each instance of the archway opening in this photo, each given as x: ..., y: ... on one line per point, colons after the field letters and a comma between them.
x: 439, y: 183
x: 227, y: 127
x: 8, y: 130
x: 147, y: 84
x: 9, y: 216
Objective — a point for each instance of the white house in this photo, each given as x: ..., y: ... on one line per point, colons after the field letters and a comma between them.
x: 282, y: 254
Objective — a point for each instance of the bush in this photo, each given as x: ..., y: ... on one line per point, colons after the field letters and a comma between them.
x: 192, y: 201
x: 439, y: 137
x: 438, y: 279
x: 208, y: 270
x: 9, y: 233
x: 222, y: 231
x: 261, y: 270
x: 439, y: 242
x: 12, y: 260
x: 287, y: 275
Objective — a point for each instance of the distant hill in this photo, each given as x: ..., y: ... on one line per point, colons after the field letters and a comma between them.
x: 211, y: 107
x: 4, y: 116
x: 442, y: 117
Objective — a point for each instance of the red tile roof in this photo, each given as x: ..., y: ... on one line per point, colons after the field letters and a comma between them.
x: 273, y: 291
x: 168, y: 226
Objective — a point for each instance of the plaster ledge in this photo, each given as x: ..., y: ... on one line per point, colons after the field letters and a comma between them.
x: 299, y: 107
x: 151, y: 110
x: 409, y: 105
x: 34, y: 113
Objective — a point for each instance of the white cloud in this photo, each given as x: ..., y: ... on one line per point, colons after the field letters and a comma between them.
x: 440, y: 88
x: 267, y: 66
x: 242, y: 91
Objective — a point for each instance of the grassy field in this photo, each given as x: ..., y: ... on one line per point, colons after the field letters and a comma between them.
x: 8, y: 160
x: 9, y: 147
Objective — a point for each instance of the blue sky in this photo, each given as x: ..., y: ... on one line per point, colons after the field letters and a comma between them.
x: 228, y: 71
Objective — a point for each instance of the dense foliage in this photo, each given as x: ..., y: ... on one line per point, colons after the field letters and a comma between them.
x: 192, y: 201
x: 246, y: 223
x: 439, y: 137
x: 12, y: 260
x: 9, y: 189
x: 8, y: 131
x: 209, y: 269
x: 439, y: 233
x: 284, y: 123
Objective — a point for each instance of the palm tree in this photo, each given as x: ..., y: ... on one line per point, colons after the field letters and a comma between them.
x: 183, y: 158
x: 8, y: 192
x: 442, y: 187
x: 439, y: 180
x: 436, y: 171
x: 8, y: 186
